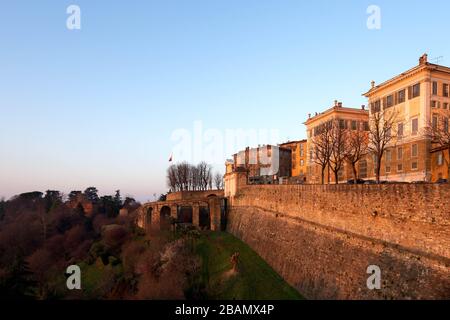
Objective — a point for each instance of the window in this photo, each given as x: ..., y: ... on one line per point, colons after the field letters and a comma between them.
x: 342, y: 124
x: 388, y: 155
x: 366, y: 126
x: 445, y: 90
x: 376, y: 106
x: 301, y: 152
x: 401, y: 96
x: 388, y: 169
x: 389, y: 101
x: 341, y: 174
x: 435, y: 104
x: 375, y: 163
x: 414, y: 165
x: 302, y: 162
x: 354, y: 125
x: 445, y: 105
x: 414, y: 91
x: 414, y: 150
x: 363, y: 169
x: 400, y: 130
x: 435, y: 88
x: 399, y: 153
x: 415, y: 125
x: 435, y: 122
x: 399, y: 167
x: 388, y: 133
x: 440, y: 158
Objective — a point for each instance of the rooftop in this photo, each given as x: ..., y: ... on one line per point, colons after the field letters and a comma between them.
x: 291, y: 142
x: 336, y: 108
x: 423, y: 65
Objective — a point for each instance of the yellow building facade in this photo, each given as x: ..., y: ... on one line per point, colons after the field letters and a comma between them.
x: 349, y: 118
x: 299, y: 151
x: 416, y: 98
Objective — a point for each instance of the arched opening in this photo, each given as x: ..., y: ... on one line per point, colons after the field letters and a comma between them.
x: 148, y: 219
x: 204, y: 219
x: 223, y: 214
x: 184, y: 214
x: 164, y: 218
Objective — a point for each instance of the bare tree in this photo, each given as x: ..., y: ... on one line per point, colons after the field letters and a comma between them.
x: 205, y: 175
x: 194, y: 178
x: 356, y: 150
x: 338, y: 145
x: 381, y: 134
x: 321, y: 144
x: 172, y: 178
x: 438, y: 132
x: 218, y: 181
x: 184, y: 176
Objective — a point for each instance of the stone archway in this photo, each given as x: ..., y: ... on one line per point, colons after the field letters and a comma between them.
x: 185, y: 214
x: 164, y: 218
x: 148, y: 218
x: 204, y: 220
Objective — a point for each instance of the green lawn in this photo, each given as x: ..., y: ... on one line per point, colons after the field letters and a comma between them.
x: 254, y: 280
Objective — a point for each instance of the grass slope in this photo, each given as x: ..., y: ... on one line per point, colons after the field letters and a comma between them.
x: 254, y: 280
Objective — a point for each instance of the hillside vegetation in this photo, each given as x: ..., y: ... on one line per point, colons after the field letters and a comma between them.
x: 42, y: 234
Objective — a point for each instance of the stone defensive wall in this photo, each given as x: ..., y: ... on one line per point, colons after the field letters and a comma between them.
x: 322, y: 239
x: 202, y: 209
x: 190, y: 195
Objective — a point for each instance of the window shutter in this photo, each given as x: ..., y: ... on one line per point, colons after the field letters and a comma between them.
x: 409, y: 93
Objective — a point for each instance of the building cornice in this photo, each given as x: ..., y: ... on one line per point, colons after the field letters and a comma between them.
x: 407, y: 74
x: 338, y: 110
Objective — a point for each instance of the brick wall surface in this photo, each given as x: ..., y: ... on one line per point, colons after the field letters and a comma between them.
x: 322, y: 238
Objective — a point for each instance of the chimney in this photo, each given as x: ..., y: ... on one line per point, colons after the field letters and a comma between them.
x: 340, y: 104
x: 372, y: 84
x: 335, y: 103
x: 363, y: 107
x: 309, y: 115
x: 423, y: 59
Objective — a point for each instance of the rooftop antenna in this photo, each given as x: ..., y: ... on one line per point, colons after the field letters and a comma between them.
x: 438, y: 60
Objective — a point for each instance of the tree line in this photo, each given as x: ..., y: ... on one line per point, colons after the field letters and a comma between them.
x: 184, y: 176
x: 41, y: 234
x: 334, y: 144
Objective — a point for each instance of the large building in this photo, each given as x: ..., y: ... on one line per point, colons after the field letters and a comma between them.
x: 265, y: 164
x: 418, y: 98
x: 348, y: 118
x: 299, y: 151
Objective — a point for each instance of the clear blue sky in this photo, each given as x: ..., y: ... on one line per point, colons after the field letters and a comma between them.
x: 98, y: 106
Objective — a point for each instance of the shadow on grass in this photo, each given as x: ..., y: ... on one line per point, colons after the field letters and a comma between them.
x: 254, y: 279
